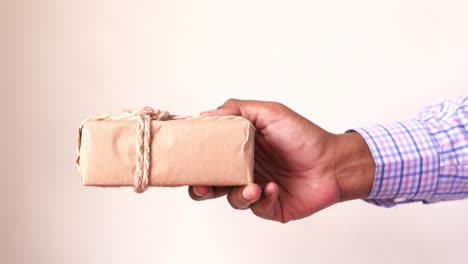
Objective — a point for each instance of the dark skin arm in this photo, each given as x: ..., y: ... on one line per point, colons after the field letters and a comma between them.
x: 299, y: 167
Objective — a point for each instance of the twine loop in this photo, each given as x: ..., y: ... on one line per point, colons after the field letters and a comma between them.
x: 143, y: 144
x: 143, y: 116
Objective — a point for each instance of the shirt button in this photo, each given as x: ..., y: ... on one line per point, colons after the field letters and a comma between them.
x: 399, y: 199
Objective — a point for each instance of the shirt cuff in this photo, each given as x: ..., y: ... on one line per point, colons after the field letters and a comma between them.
x: 407, y: 163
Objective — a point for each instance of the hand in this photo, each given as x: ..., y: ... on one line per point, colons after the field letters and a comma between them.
x: 299, y: 167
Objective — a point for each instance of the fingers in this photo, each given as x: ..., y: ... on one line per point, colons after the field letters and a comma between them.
x: 239, y: 197
x: 260, y: 113
x: 243, y: 197
x: 200, y: 193
x: 222, y: 112
x: 250, y: 196
x: 264, y: 206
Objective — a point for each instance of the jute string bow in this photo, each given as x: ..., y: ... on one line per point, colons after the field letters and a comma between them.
x: 144, y: 116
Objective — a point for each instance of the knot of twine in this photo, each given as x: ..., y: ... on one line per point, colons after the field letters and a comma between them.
x: 143, y: 116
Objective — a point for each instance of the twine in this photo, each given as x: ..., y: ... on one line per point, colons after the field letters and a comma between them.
x: 144, y: 116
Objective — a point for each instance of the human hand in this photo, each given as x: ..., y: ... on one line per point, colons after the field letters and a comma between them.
x: 299, y: 167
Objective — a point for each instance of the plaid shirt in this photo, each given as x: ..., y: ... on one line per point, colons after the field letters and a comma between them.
x: 423, y: 159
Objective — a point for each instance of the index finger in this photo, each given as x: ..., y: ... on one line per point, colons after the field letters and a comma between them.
x: 260, y: 113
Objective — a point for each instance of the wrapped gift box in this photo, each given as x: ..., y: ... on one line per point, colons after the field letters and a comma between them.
x: 192, y: 151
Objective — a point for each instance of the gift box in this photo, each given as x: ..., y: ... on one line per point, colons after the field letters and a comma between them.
x: 171, y: 151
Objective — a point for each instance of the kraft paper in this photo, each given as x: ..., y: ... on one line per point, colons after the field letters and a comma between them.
x: 217, y: 152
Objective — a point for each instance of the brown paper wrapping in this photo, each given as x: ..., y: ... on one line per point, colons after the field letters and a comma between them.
x: 217, y: 152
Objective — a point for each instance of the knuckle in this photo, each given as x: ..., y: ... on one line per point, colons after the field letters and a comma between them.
x: 281, y: 105
x: 274, y: 107
x: 231, y: 101
x: 278, y: 109
x: 277, y: 105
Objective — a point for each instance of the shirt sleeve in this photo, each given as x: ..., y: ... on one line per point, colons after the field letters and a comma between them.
x: 423, y: 159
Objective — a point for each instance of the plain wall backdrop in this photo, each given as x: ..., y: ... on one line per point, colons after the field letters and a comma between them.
x: 341, y: 64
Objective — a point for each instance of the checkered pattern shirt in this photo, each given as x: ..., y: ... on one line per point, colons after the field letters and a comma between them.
x: 423, y: 159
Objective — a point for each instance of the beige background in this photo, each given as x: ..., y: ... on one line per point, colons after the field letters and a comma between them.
x: 339, y: 63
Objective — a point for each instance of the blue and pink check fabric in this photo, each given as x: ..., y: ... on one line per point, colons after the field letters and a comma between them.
x: 423, y: 159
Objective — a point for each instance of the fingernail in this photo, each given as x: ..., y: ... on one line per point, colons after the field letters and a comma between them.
x: 247, y: 194
x: 196, y: 192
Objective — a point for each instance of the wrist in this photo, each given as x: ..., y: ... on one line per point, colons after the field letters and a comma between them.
x: 354, y: 166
